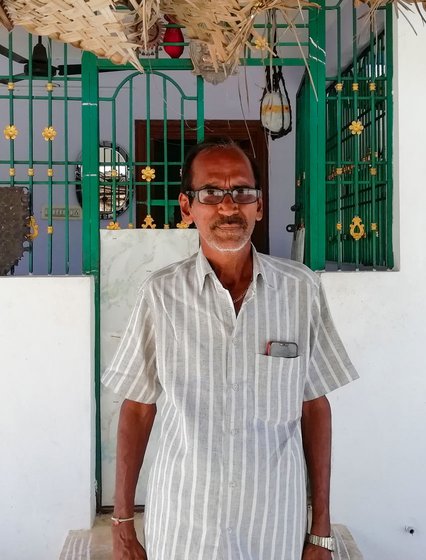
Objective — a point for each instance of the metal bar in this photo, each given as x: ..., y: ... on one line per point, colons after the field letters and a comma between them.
x: 182, y: 132
x: 11, y: 115
x: 130, y: 164
x: 389, y: 130
x: 200, y: 109
x: 165, y: 155
x: 50, y: 169
x: 355, y: 117
x: 113, y: 163
x: 373, y: 175
x: 66, y: 167
x: 148, y: 138
x: 316, y: 226
x: 30, y: 147
x: 339, y: 140
x: 186, y: 63
x: 90, y: 193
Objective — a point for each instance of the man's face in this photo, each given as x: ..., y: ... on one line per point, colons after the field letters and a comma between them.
x: 227, y: 226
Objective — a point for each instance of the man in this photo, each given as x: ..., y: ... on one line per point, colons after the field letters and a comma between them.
x: 242, y: 348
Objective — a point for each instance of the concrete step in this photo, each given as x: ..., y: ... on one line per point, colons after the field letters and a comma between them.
x: 96, y: 543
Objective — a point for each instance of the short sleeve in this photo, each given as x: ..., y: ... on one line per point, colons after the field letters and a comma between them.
x: 133, y: 371
x: 329, y: 365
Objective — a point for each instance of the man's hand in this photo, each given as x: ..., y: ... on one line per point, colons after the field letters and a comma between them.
x: 313, y: 552
x: 125, y: 544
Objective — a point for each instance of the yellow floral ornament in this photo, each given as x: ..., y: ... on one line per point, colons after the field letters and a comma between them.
x: 33, y: 226
x: 148, y: 222
x: 49, y: 133
x: 356, y: 127
x: 148, y: 173
x: 182, y: 225
x: 261, y: 43
x: 10, y: 132
x: 113, y: 225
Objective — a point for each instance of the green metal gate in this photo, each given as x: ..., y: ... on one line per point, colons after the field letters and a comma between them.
x: 40, y: 105
x: 354, y: 188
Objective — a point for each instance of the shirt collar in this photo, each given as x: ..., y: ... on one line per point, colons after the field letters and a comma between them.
x: 203, y: 269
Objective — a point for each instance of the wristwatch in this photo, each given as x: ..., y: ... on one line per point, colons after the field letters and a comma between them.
x: 324, y: 542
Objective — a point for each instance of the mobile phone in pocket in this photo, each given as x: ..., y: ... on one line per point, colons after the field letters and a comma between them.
x: 280, y: 349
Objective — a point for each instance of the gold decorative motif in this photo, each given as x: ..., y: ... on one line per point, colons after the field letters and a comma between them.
x: 113, y: 225
x: 49, y: 86
x: 33, y: 225
x: 50, y: 230
x: 298, y: 183
x: 182, y: 225
x: 166, y: 226
x: 114, y: 173
x: 339, y: 171
x: 372, y: 86
x: 355, y: 86
x: 261, y: 43
x: 10, y: 86
x: 50, y: 172
x: 130, y: 226
x: 357, y: 228
x: 10, y: 132
x: 374, y: 226
x: 11, y: 172
x: 338, y: 86
x: 49, y: 133
x: 339, y: 226
x: 356, y: 127
x: 148, y: 223
x: 30, y: 172
x: 373, y: 170
x: 148, y: 174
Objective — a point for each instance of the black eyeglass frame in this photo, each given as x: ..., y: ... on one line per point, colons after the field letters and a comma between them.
x: 231, y: 192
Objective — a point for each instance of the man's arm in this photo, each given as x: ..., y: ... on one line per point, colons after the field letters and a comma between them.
x: 316, y: 432
x: 134, y: 428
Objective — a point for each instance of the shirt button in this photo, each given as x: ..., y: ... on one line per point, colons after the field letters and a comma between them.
x: 232, y: 484
x: 235, y: 386
x: 234, y: 431
x: 229, y: 529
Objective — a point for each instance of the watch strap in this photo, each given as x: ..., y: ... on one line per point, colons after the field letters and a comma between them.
x: 323, y: 542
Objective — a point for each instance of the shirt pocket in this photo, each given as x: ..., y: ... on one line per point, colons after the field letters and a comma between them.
x: 277, y: 389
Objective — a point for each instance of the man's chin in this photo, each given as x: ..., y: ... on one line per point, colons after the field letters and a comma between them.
x: 227, y: 246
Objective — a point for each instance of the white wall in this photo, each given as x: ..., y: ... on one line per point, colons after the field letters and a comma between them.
x: 46, y: 414
x: 379, y: 442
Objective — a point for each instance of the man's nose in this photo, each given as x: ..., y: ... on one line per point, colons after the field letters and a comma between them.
x: 228, y: 206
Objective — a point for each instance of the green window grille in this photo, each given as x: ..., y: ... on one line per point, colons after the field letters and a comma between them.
x: 358, y: 158
x: 344, y: 201
x: 40, y: 105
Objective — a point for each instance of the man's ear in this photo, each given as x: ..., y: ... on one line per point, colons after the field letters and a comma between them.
x: 185, y: 208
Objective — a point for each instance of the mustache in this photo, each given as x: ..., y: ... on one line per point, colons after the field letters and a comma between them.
x: 229, y: 220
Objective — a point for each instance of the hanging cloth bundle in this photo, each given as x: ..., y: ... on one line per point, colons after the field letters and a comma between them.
x: 275, y: 108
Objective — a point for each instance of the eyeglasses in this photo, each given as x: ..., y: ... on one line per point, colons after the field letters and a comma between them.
x: 213, y: 195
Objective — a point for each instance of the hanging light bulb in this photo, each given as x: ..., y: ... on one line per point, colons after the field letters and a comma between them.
x: 173, y: 35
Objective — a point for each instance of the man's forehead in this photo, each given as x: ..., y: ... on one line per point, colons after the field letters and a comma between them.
x: 218, y: 162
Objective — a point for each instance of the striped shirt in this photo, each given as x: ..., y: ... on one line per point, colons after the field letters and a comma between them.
x: 228, y: 481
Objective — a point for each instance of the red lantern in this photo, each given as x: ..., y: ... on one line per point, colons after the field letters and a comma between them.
x: 173, y: 35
